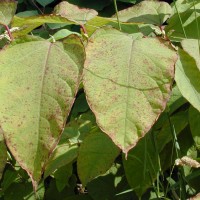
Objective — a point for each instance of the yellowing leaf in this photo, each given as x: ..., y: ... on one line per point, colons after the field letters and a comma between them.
x: 74, y: 13
x: 38, y: 84
x: 127, y: 83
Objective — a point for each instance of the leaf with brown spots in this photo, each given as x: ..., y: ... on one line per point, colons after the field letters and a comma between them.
x: 74, y: 13
x: 38, y: 84
x: 127, y: 83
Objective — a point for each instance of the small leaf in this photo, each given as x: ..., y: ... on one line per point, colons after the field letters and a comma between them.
x: 3, y: 154
x: 38, y: 84
x: 187, y: 76
x: 148, y: 12
x: 194, y: 119
x: 74, y: 13
x: 127, y: 86
x: 99, y: 149
x: 7, y: 11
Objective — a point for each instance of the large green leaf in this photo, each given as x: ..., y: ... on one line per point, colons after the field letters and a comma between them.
x: 148, y: 12
x: 194, y: 119
x: 127, y: 86
x: 96, y: 155
x: 3, y: 154
x: 38, y: 84
x: 74, y: 13
x: 7, y: 11
x: 187, y: 74
x: 141, y: 166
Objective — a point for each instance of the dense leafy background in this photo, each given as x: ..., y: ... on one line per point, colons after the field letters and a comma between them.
x: 94, y: 113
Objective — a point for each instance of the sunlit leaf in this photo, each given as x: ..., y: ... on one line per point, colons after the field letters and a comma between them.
x: 38, y: 84
x: 74, y: 13
x: 148, y: 12
x: 126, y: 84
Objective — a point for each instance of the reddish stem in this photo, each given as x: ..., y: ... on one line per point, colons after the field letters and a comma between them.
x: 8, y: 30
x: 83, y: 28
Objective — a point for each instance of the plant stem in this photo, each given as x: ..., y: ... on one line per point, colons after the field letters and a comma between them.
x: 180, y: 19
x: 195, y: 12
x: 8, y: 31
x: 116, y: 10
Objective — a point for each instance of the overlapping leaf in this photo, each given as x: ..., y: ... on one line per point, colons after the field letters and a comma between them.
x: 148, y: 12
x: 74, y: 13
x: 96, y: 155
x: 127, y: 84
x: 183, y: 23
x: 38, y: 84
x: 27, y: 24
x: 187, y: 73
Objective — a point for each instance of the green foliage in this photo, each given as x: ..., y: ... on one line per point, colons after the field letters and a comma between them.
x: 98, y: 104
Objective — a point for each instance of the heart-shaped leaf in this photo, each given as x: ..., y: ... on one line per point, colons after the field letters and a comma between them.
x: 38, y: 84
x: 7, y: 11
x: 127, y: 83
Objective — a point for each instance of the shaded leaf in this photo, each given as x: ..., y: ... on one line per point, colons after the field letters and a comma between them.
x: 19, y: 191
x: 187, y: 76
x: 165, y: 135
x: 62, y: 176
x: 127, y: 86
x: 44, y: 2
x: 99, y: 149
x: 3, y: 154
x: 112, y: 185
x: 148, y: 12
x: 27, y: 24
x: 194, y: 119
x: 7, y: 11
x: 63, y: 155
x: 142, y: 166
x: 38, y: 86
x: 188, y: 24
x: 74, y: 13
